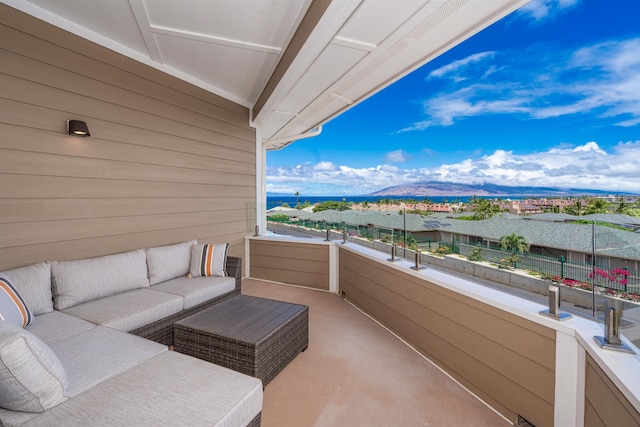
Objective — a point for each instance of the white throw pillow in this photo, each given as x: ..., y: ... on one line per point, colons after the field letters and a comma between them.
x: 13, y: 309
x: 34, y: 284
x: 32, y: 378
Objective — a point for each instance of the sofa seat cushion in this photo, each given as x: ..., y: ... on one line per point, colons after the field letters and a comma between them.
x: 57, y: 326
x: 34, y: 285
x: 101, y: 353
x: 169, y: 389
x: 169, y: 262
x: 197, y: 290
x: 75, y: 282
x: 129, y: 310
x: 32, y: 378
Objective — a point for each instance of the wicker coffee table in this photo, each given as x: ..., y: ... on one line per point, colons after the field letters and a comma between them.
x: 255, y: 336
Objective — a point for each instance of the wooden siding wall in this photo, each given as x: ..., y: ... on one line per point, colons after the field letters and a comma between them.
x: 293, y: 263
x: 604, y: 403
x: 166, y: 161
x: 508, y: 361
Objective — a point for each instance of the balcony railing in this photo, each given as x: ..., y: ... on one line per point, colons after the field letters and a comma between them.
x: 494, y: 343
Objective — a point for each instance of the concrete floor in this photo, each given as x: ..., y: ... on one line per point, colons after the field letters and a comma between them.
x: 356, y: 373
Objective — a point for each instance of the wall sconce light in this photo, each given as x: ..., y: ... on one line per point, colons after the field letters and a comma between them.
x: 77, y: 128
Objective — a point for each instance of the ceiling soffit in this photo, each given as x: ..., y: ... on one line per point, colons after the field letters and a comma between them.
x: 229, y: 48
x: 295, y: 63
x: 378, y: 44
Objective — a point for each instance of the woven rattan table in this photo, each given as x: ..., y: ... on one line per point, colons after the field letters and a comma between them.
x: 255, y: 336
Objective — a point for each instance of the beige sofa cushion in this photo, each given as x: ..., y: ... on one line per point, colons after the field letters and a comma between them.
x: 79, y: 281
x: 32, y: 378
x: 169, y: 262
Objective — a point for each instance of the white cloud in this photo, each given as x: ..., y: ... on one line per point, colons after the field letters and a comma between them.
x: 583, y: 166
x: 325, y: 166
x: 541, y: 9
x: 601, y: 80
x: 397, y: 156
x: 452, y: 70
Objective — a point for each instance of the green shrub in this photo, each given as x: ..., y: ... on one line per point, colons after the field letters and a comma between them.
x: 279, y: 218
x: 475, y: 254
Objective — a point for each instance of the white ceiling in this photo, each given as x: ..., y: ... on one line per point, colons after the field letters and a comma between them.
x: 232, y: 47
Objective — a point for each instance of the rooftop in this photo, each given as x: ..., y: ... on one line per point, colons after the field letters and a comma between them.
x: 553, y: 234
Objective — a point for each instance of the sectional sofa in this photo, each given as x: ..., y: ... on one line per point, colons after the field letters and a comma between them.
x: 96, y: 349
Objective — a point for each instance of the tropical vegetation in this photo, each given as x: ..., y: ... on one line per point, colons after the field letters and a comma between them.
x: 514, y: 242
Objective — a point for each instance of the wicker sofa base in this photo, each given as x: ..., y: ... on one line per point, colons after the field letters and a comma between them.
x: 256, y: 421
x: 161, y: 331
x: 254, y: 336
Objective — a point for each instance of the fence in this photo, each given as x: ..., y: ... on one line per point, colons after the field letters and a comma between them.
x: 623, y: 280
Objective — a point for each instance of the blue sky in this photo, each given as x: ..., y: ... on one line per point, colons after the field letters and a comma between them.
x: 548, y: 96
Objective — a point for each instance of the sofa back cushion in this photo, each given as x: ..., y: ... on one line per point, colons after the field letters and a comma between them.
x: 75, y: 282
x: 168, y: 262
x: 34, y: 285
x: 32, y: 378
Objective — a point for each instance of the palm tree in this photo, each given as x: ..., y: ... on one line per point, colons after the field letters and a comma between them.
x: 622, y: 207
x: 485, y: 209
x: 514, y: 242
x: 597, y: 206
x: 575, y: 209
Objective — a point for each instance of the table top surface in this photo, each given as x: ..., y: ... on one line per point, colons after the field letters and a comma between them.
x: 245, y: 318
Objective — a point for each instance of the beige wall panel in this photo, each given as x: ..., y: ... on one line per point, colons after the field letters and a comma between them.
x: 293, y: 263
x: 422, y: 338
x: 475, y: 349
x: 166, y: 162
x: 16, y: 162
x: 604, y: 403
x: 460, y: 334
x: 14, y: 186
x: 34, y: 210
x: 28, y: 233
x: 79, y: 106
x: 298, y: 251
x: 499, y: 326
x: 61, y: 58
x: 40, y: 72
x: 300, y: 278
x: 591, y: 418
x: 88, y: 248
x: 128, y: 144
x: 58, y: 37
x: 298, y: 264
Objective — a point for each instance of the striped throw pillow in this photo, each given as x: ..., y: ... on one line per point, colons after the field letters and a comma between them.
x: 209, y: 260
x: 12, y: 307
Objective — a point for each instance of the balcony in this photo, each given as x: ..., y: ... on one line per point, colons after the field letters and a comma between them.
x: 356, y: 372
x: 493, y: 344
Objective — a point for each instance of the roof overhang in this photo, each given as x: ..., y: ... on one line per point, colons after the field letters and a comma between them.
x: 294, y: 64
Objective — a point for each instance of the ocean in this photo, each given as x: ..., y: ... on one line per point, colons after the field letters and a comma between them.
x: 292, y: 201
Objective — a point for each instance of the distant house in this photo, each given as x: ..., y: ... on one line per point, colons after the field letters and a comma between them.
x: 550, y: 235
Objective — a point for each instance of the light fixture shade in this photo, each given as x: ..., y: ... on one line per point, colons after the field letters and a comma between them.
x: 77, y: 128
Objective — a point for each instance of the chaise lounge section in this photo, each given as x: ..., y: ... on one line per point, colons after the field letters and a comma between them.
x: 85, y: 360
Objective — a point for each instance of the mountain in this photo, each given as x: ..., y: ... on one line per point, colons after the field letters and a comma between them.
x: 435, y: 188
